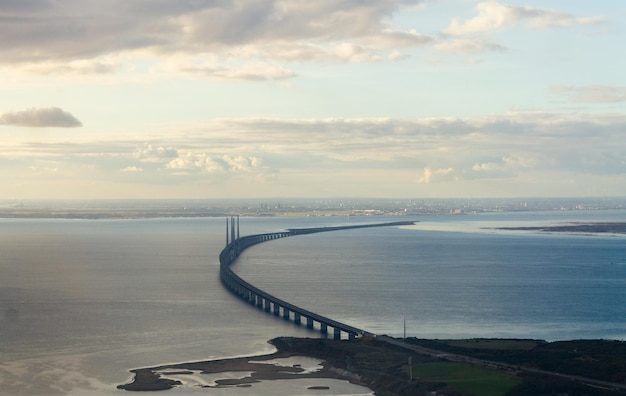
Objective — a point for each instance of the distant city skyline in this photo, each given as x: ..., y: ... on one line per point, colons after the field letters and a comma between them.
x: 252, y: 99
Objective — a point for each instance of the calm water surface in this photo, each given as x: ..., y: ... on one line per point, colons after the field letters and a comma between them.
x: 83, y: 301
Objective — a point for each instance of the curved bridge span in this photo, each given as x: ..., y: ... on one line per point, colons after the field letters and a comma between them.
x: 268, y: 302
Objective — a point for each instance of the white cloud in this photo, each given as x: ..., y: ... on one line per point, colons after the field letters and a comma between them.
x: 495, y: 16
x: 40, y: 118
x: 152, y: 153
x: 132, y: 169
x: 190, y: 162
x: 318, y: 52
x: 194, y: 162
x: 591, y: 93
x: 428, y: 173
x: 486, y: 167
x: 242, y: 164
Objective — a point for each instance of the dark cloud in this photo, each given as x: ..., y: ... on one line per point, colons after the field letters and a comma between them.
x: 63, y: 30
x: 40, y: 117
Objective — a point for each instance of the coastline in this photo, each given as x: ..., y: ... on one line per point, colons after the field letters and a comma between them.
x: 398, y: 367
x: 578, y: 227
x: 250, y: 369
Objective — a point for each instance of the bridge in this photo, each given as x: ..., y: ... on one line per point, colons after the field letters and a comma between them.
x: 235, y: 244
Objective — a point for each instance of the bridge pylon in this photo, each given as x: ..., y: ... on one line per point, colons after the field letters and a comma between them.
x: 232, y: 229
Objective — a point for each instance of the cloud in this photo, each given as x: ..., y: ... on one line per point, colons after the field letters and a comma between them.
x: 291, y: 20
x: 256, y: 71
x: 40, y: 118
x: 152, y: 153
x: 193, y: 162
x: 517, y: 153
x: 78, y: 36
x: 188, y: 162
x: 495, y: 16
x: 306, y: 51
x: 487, y: 167
x: 241, y: 163
x: 393, y: 39
x: 511, y: 164
x: 428, y: 173
x: 516, y: 142
x: 76, y: 67
x: 132, y: 169
x: 591, y: 93
x: 461, y: 46
x: 245, y: 40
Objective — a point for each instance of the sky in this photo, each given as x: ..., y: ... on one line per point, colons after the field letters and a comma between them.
x: 132, y: 99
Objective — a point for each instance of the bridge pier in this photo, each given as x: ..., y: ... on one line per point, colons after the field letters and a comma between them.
x: 337, y: 334
x: 309, y: 323
x: 323, y: 328
x: 268, y: 306
x: 352, y: 336
x: 296, y: 318
x: 276, y: 309
x: 259, y: 301
x: 285, y: 313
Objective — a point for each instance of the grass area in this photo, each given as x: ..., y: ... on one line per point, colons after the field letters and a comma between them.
x: 493, y: 344
x: 466, y: 378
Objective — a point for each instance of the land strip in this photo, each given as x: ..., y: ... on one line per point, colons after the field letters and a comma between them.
x: 382, y: 364
x: 595, y: 228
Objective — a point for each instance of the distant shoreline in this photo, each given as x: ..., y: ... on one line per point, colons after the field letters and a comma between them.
x: 126, y: 215
x: 596, y: 228
x: 293, y: 207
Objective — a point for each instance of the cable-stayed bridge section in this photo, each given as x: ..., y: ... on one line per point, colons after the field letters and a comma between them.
x: 268, y: 302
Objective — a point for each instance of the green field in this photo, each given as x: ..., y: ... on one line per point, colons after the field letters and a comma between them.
x: 466, y: 378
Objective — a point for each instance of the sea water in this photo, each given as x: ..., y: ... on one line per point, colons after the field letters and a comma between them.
x: 84, y: 301
x: 456, y: 277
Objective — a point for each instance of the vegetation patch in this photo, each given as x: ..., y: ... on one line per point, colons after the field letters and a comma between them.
x: 493, y: 344
x: 466, y: 378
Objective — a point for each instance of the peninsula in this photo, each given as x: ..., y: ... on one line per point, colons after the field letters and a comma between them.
x: 422, y: 367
